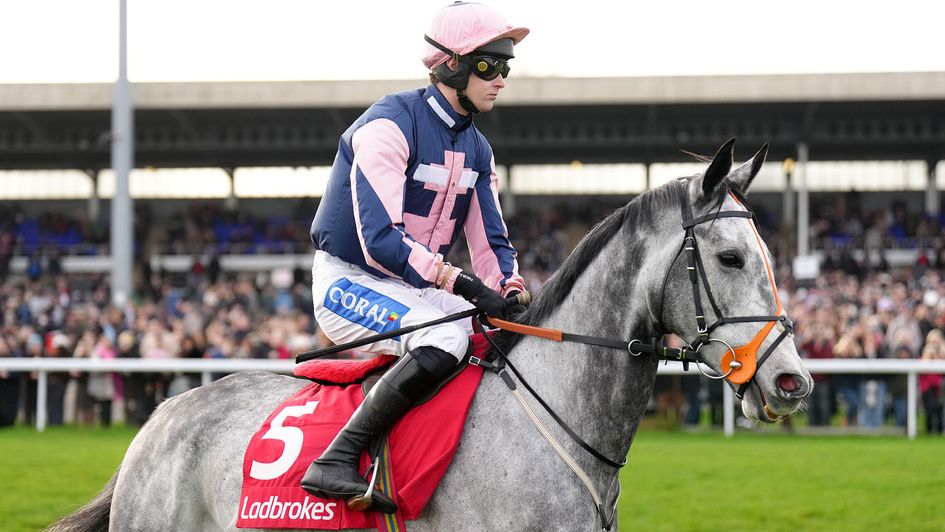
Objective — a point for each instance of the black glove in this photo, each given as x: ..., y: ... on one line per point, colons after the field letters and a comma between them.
x: 484, y: 298
x: 518, y: 304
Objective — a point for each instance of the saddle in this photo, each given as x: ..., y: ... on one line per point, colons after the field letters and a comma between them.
x: 344, y: 372
x: 417, y: 450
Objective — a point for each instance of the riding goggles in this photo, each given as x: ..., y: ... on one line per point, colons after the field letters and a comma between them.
x: 485, y: 67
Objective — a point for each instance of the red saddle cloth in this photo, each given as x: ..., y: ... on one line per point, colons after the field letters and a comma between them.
x: 422, y: 445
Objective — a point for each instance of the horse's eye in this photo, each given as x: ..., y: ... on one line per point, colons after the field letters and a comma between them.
x: 730, y: 259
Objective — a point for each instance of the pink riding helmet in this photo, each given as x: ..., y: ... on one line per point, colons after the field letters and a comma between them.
x: 462, y: 27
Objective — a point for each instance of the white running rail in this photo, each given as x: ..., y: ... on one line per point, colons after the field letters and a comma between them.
x: 910, y: 368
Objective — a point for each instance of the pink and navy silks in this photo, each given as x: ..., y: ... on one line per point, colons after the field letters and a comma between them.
x: 409, y: 175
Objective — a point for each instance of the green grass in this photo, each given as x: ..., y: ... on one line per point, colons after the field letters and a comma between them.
x: 678, y: 481
x: 44, y: 476
x: 675, y: 481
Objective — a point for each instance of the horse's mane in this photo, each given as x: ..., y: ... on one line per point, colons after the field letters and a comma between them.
x: 556, y: 290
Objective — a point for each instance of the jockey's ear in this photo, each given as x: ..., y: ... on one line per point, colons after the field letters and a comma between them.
x: 719, y: 168
x: 741, y: 177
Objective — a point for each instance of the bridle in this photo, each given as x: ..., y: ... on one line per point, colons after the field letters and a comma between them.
x: 739, y: 364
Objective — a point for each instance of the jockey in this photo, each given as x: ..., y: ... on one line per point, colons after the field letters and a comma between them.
x: 409, y: 174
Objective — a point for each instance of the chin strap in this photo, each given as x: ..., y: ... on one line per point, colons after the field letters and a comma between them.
x: 466, y: 102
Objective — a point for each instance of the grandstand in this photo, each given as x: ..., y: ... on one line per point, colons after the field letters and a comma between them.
x: 154, y: 238
x: 228, y: 177
x: 248, y: 150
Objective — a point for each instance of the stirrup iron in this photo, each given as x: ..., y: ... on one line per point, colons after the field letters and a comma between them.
x: 360, y: 503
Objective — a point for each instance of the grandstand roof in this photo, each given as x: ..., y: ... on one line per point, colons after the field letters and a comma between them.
x: 524, y: 91
x: 886, y: 116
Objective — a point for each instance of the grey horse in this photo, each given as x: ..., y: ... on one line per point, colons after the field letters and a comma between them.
x: 625, y: 280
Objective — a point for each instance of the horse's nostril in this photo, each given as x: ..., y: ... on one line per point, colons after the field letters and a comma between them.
x: 789, y: 383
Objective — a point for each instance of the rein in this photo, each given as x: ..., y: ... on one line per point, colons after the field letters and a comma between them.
x: 634, y: 347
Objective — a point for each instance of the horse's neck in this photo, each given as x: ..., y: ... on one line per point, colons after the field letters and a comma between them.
x: 600, y: 392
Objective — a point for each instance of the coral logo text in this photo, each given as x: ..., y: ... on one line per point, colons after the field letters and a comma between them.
x: 364, y: 306
x: 275, y: 509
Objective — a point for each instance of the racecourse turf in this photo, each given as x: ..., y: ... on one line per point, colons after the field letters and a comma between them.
x: 674, y: 481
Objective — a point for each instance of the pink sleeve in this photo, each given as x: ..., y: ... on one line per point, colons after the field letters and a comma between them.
x: 493, y: 257
x: 380, y: 153
x: 377, y: 185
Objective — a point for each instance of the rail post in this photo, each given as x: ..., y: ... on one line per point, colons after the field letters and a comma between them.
x: 41, y: 385
x: 728, y: 400
x: 912, y: 398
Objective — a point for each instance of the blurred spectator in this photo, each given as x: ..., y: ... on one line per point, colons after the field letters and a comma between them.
x: 189, y: 348
x: 930, y: 385
x: 56, y: 381
x: 898, y: 389
x: 135, y: 398
x: 84, y: 407
x: 822, y: 402
x: 9, y: 388
x: 101, y: 383
x: 872, y: 387
x: 850, y: 345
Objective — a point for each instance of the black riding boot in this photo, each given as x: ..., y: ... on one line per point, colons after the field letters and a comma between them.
x: 334, y: 475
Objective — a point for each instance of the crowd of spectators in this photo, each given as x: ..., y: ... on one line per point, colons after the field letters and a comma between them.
x: 198, y: 227
x: 879, y: 314
x: 854, y: 309
x: 234, y: 316
x: 842, y: 221
x: 837, y: 221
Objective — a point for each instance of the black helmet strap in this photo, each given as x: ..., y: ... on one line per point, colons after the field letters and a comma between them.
x: 457, y: 79
x: 466, y: 102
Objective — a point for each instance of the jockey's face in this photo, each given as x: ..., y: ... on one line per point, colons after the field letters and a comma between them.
x: 483, y: 93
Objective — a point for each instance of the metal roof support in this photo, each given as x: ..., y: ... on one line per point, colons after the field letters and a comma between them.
x: 507, y: 198
x: 932, y: 200
x: 122, y: 222
x: 803, y: 205
x: 787, y: 197
x: 95, y: 203
x: 231, y: 203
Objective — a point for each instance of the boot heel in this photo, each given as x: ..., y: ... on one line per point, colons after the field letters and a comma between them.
x: 378, y: 502
x: 359, y: 503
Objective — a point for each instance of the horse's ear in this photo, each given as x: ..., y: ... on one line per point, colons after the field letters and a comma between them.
x: 719, y: 167
x: 742, y: 176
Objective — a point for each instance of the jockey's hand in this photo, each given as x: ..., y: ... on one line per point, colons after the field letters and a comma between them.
x: 518, y: 304
x: 470, y: 288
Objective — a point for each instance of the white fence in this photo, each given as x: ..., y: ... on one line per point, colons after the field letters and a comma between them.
x: 910, y: 368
